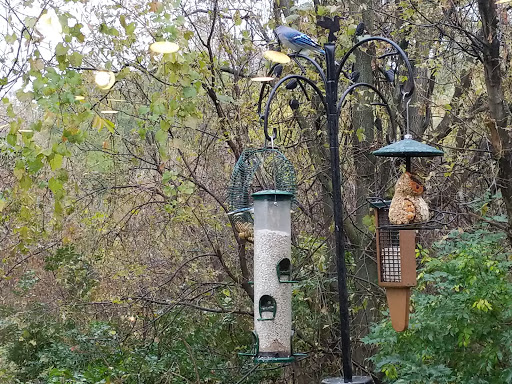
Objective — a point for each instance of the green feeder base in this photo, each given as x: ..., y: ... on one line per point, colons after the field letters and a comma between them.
x: 270, y: 359
x: 273, y: 359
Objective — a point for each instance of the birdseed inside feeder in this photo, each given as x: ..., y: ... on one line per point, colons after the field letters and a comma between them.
x: 272, y: 265
x: 396, y: 244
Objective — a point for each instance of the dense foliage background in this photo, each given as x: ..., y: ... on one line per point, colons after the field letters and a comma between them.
x: 118, y: 261
x: 460, y: 329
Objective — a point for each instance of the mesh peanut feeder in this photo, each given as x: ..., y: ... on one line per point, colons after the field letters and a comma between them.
x: 256, y: 170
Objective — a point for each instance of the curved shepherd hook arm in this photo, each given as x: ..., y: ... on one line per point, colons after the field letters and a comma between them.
x: 273, y: 93
x: 408, y: 89
x: 295, y: 57
x: 263, y: 87
x: 317, y: 66
x: 350, y: 89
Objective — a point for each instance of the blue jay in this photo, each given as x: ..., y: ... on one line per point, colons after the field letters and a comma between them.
x: 296, y: 41
x: 354, y: 76
x: 360, y: 29
x: 278, y: 70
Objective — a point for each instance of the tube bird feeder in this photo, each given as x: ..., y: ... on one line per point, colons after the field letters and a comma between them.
x: 272, y: 266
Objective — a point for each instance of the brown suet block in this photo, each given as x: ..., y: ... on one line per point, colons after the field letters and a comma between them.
x: 408, y: 206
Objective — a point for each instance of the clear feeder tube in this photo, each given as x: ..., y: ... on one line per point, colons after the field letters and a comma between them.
x: 272, y: 296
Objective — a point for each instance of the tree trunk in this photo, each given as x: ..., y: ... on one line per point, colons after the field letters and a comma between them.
x: 500, y: 135
x: 365, y: 301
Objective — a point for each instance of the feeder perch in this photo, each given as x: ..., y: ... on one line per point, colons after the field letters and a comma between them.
x: 284, y: 271
x: 267, y: 308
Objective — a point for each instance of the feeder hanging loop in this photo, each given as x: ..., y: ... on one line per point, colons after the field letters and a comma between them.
x: 407, y: 124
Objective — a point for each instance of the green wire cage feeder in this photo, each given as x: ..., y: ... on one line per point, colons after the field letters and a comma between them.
x: 256, y: 170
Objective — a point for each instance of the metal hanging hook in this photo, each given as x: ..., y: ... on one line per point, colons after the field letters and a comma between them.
x: 407, y: 124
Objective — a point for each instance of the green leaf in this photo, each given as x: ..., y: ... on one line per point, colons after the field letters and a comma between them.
x: 238, y: 19
x: 161, y: 136
x: 10, y: 39
x: 36, y: 164
x: 109, y: 125
x: 56, y: 161
x: 369, y: 222
x: 180, y: 20
x: 24, y: 96
x: 225, y: 99
x: 321, y: 11
x: 61, y: 49
x: 290, y: 19
x: 360, y: 134
x: 189, y: 92
x: 111, y: 31
x: 3, y: 204
x: 143, y: 110
x: 11, y: 139
x: 25, y: 182
x: 75, y: 59
x: 130, y: 28
x: 168, y: 176
x: 56, y: 187
x: 30, y: 21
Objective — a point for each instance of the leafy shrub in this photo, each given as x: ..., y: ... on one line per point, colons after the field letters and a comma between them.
x: 460, y: 329
x: 188, y: 346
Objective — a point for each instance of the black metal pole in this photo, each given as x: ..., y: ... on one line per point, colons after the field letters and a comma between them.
x: 333, y: 129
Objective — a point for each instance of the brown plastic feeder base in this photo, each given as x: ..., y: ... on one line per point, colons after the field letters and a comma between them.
x: 398, y: 302
x: 355, y: 380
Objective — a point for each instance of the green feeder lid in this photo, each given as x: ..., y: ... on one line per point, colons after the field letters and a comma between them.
x: 274, y: 194
x: 408, y: 148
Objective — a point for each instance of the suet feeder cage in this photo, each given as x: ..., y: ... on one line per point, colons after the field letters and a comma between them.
x: 396, y: 264
x: 396, y: 244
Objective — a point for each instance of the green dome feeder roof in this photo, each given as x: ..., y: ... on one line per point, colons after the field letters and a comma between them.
x: 408, y: 148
